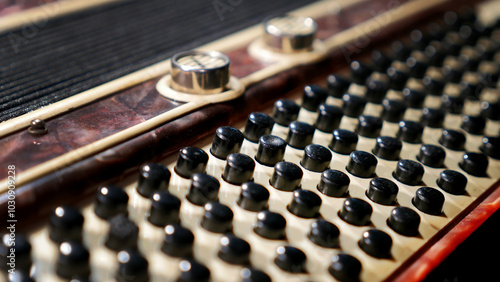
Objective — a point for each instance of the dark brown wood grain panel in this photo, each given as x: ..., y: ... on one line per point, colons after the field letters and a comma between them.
x: 13, y: 6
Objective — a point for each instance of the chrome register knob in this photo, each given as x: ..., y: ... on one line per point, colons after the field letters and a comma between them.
x: 200, y: 72
x: 290, y: 34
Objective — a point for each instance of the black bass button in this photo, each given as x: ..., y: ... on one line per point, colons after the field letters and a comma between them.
x: 434, y: 85
x: 356, y: 211
x: 153, y: 177
x: 271, y: 150
x: 452, y: 182
x: 300, y: 134
x: 65, y: 224
x: 165, y: 209
x: 313, y: 96
x: 334, y: 183
x: 376, y: 89
x: 73, y: 261
x: 473, y: 124
x: 234, y: 250
x: 388, y: 148
x: 217, y: 218
x: 451, y: 104
x: 305, y: 204
x: 376, y: 243
x: 490, y: 110
x: 418, y: 39
x: 469, y: 88
x: 21, y: 248
x: 380, y: 61
x: 227, y: 140
x: 369, y: 126
x: 409, y: 172
x: 435, y: 54
x: 343, y: 141
x: 353, y: 105
x: 452, y: 43
x: 253, y: 197
x: 192, y: 271
x: 329, y: 118
x: 397, y: 78
x: 417, y: 66
x: 399, y: 51
x: 404, y: 221
x: 393, y: 110
x: 429, y: 200
x: 489, y: 75
x: 258, y: 124
x: 122, y: 234
x: 291, y: 259
x: 132, y: 266
x: 286, y: 176
x: 452, y: 74
x: 491, y: 147
x: 432, y: 155
x: 432, y: 117
x: 21, y: 275
x: 203, y: 189
x: 453, y: 139
x: 475, y: 164
x: 345, y: 267
x: 382, y: 191
x: 285, y: 111
x: 468, y: 34
x: 316, y: 158
x: 410, y: 131
x: 191, y: 160
x: 110, y: 201
x: 413, y: 98
x: 324, y: 233
x: 239, y: 169
x: 178, y: 241
x: 362, y: 164
x: 249, y: 274
x: 337, y: 85
x: 451, y: 21
x: 270, y: 225
x: 360, y: 72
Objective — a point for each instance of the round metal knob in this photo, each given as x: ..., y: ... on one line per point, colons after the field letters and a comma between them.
x: 290, y: 34
x: 200, y: 72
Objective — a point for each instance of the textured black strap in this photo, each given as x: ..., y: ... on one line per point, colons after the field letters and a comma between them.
x: 46, y: 62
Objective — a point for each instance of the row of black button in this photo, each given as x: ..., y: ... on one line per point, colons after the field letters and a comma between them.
x: 394, y: 110
x: 287, y: 176
x: 271, y: 150
x: 300, y: 134
x: 73, y: 260
x: 431, y: 53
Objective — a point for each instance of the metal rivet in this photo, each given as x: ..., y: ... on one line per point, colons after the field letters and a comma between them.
x: 37, y: 127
